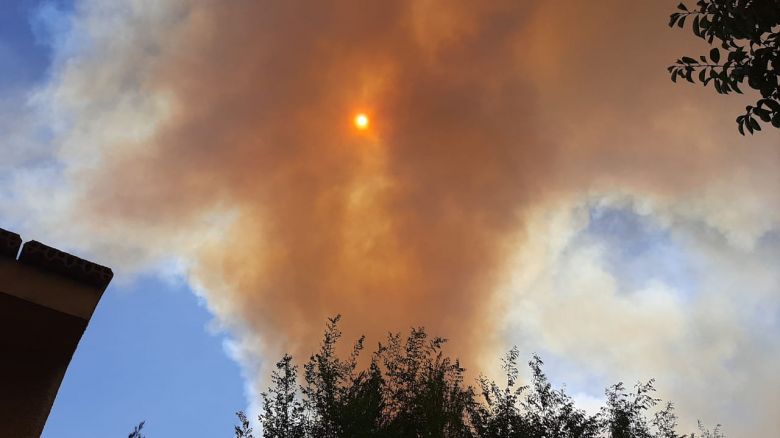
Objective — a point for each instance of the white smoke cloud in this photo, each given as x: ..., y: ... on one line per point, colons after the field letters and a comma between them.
x: 707, y: 339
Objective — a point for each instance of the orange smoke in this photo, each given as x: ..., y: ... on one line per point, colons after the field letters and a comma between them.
x: 407, y: 226
x: 482, y: 110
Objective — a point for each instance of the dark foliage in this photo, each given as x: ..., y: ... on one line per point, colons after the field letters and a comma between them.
x: 411, y: 388
x: 282, y: 412
x: 244, y: 430
x: 536, y: 410
x: 136, y: 433
x: 747, y: 33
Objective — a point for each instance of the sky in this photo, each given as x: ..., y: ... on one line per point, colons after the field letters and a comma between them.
x: 149, y: 353
x: 530, y: 177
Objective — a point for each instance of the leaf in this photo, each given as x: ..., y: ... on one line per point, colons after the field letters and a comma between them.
x: 773, y: 104
x: 754, y: 124
x: 682, y: 7
x: 715, y: 55
x: 688, y: 60
x: 763, y: 114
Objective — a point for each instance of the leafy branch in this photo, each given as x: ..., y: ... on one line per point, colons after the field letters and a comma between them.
x: 747, y: 33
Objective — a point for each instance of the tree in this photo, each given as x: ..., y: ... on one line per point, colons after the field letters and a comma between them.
x: 551, y: 412
x: 136, y: 433
x: 243, y: 430
x: 499, y: 416
x: 747, y: 32
x: 624, y: 413
x: 282, y: 415
x: 533, y: 411
x: 339, y: 400
x: 423, y: 388
x: 411, y: 388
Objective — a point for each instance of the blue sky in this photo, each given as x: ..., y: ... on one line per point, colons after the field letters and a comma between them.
x: 148, y: 356
x: 147, y: 353
x: 638, y: 249
x: 23, y: 59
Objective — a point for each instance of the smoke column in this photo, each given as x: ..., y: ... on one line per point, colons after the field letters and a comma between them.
x: 406, y: 224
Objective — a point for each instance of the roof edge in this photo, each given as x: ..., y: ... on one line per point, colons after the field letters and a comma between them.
x: 10, y: 243
x: 45, y: 257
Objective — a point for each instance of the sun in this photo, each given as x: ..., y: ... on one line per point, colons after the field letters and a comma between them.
x: 361, y: 121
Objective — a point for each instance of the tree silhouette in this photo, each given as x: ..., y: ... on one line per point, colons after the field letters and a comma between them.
x: 530, y: 411
x: 411, y: 388
x: 243, y: 430
x: 136, y: 433
x: 423, y: 388
x: 282, y: 415
x: 747, y: 31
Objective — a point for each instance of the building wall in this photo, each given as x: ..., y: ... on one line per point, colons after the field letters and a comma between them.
x: 46, y: 300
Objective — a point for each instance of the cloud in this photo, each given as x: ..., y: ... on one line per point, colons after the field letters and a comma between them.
x: 216, y: 137
x: 705, y: 339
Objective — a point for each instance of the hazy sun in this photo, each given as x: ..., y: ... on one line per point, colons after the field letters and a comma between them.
x: 361, y: 121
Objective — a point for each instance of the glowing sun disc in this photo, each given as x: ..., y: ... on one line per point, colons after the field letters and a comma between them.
x: 361, y: 121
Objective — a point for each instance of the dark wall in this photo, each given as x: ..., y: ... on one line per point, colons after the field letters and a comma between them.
x: 46, y: 300
x: 36, y: 344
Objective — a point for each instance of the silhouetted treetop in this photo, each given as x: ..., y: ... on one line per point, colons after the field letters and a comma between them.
x: 411, y: 388
x: 136, y: 433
